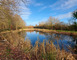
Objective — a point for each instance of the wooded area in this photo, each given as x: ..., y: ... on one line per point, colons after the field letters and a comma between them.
x: 56, y: 24
x: 9, y: 18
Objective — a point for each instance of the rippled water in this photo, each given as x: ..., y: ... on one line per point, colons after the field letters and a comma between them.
x: 63, y: 41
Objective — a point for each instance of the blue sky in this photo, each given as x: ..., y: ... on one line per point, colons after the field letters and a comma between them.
x: 40, y: 10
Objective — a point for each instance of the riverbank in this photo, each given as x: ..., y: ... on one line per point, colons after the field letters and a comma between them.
x: 72, y: 33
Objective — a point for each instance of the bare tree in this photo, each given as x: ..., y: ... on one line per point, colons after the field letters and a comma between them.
x: 8, y: 8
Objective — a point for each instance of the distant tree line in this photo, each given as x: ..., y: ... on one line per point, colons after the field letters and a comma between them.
x: 9, y: 18
x: 56, y: 24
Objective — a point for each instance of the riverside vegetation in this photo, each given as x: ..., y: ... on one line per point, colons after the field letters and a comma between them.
x: 15, y: 47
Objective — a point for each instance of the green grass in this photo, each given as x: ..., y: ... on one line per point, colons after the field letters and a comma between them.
x: 66, y: 31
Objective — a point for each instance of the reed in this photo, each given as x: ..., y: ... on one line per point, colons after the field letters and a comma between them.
x: 16, y: 48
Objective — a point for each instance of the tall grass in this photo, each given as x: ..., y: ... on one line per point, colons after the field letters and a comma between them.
x: 16, y: 48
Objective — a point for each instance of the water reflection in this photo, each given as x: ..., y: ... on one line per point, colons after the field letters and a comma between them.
x: 64, y: 41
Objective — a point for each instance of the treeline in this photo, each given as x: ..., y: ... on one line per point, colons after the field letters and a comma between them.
x: 56, y: 24
x: 9, y: 18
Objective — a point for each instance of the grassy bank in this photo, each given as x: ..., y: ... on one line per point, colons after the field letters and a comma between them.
x: 73, y: 33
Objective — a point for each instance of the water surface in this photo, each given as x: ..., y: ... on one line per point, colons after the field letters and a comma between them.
x: 64, y: 41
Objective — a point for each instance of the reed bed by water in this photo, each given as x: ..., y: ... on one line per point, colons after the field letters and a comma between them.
x: 13, y: 46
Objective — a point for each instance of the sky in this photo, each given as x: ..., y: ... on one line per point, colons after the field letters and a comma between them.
x: 40, y: 10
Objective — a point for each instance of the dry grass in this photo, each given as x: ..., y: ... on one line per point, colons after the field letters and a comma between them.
x: 15, y: 48
x: 73, y: 33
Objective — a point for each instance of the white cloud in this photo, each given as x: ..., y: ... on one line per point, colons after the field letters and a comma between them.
x: 34, y: 3
x: 37, y: 21
x: 24, y: 12
x: 64, y: 4
x: 69, y: 4
x: 62, y: 16
x: 38, y: 4
x: 24, y: 8
x: 43, y: 8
